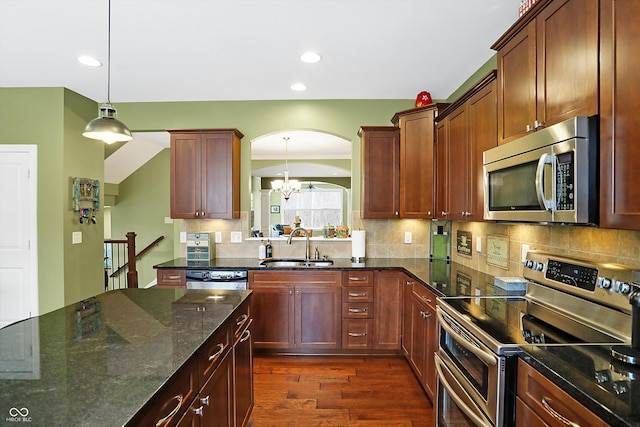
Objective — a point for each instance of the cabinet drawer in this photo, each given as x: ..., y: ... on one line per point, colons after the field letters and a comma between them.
x: 213, y: 351
x: 357, y: 310
x: 170, y: 403
x: 242, y: 319
x: 357, y: 294
x: 171, y: 278
x: 358, y: 278
x: 551, y: 403
x: 357, y: 334
x: 424, y: 295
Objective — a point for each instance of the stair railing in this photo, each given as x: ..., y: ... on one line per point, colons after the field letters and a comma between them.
x: 120, y: 256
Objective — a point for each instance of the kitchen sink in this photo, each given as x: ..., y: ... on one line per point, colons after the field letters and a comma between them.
x: 285, y: 262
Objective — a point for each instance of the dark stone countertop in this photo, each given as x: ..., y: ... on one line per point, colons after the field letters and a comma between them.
x: 98, y: 362
x: 607, y: 387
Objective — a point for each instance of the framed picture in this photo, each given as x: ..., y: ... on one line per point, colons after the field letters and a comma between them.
x: 275, y: 208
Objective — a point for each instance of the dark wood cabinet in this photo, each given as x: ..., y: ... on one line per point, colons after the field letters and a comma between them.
x: 171, y: 278
x: 548, y: 67
x: 464, y: 131
x: 619, y: 115
x: 216, y: 396
x: 205, y: 173
x: 380, y: 171
x: 296, y: 309
x: 536, y: 394
x: 243, y: 373
x: 417, y: 160
x: 420, y: 333
x: 387, y: 317
x: 357, y: 309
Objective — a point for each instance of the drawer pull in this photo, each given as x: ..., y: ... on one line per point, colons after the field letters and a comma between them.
x: 242, y: 319
x: 357, y: 310
x: 245, y: 336
x: 358, y: 279
x: 425, y: 299
x: 217, y: 353
x: 163, y: 421
x: 353, y: 334
x: 171, y: 277
x: 356, y: 295
x: 555, y: 414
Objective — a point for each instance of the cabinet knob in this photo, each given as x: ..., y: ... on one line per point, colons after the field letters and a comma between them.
x: 444, y: 213
x: 198, y: 411
x: 537, y: 125
x: 529, y: 129
x: 429, y: 213
x: 205, y: 400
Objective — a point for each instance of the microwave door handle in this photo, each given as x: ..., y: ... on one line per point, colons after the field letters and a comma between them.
x: 458, y: 401
x: 544, y: 203
x: 479, y: 353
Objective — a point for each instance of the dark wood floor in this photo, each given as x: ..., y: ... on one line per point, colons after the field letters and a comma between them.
x: 338, y: 391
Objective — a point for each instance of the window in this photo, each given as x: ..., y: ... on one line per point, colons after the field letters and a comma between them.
x: 316, y: 207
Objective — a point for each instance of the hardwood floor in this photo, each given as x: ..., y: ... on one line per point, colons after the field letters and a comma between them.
x: 338, y: 391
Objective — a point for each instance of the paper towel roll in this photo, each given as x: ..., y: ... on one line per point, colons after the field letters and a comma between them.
x: 357, y: 244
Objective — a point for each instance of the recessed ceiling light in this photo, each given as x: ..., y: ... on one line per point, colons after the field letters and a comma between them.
x: 310, y: 57
x: 298, y: 87
x: 89, y: 61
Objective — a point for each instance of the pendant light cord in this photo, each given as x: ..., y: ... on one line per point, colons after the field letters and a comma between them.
x: 109, y: 55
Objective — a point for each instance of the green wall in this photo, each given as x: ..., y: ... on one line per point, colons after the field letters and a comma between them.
x: 53, y: 119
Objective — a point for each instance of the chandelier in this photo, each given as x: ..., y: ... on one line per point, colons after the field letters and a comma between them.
x: 286, y: 187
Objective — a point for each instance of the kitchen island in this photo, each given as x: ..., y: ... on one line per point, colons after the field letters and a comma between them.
x: 103, y: 361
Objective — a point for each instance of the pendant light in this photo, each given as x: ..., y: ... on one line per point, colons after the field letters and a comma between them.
x: 286, y: 187
x: 106, y: 127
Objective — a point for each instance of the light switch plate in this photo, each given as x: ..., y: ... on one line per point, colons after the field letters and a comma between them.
x: 407, y: 237
x: 478, y: 244
x: 168, y: 220
x: 525, y: 249
x: 218, y: 237
x: 76, y: 237
x: 183, y: 237
x: 236, y: 237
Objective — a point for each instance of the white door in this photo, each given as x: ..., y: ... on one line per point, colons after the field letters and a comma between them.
x: 18, y: 233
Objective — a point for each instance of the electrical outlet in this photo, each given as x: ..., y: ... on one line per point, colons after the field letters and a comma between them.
x: 183, y: 237
x: 76, y: 237
x: 236, y: 237
x: 478, y: 244
x: 407, y: 236
x: 525, y: 249
x: 218, y: 237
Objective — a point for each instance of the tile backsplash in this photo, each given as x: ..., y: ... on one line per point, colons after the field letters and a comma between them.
x: 385, y: 239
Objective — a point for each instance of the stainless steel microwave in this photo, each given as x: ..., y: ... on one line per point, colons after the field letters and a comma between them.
x: 548, y: 176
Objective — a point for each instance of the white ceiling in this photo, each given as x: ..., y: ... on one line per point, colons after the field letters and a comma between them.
x: 199, y: 50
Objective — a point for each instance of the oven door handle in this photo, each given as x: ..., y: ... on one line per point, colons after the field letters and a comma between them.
x: 487, y: 358
x: 458, y: 401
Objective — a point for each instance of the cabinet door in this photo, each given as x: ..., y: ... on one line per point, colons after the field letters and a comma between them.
x: 216, y: 396
x: 418, y: 338
x: 185, y: 171
x: 387, y: 310
x: 220, y: 189
x: 380, y: 156
x: 457, y: 165
x: 318, y: 317
x: 430, y: 347
x: 243, y: 377
x: 416, y: 164
x: 517, y: 85
x: 407, y: 319
x: 483, y: 126
x: 619, y: 119
x: 272, y: 310
x: 567, y: 35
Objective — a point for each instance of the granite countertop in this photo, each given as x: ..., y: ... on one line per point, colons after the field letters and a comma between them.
x: 607, y: 387
x: 98, y: 362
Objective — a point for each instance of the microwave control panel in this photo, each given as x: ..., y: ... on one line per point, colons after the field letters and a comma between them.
x: 565, y: 182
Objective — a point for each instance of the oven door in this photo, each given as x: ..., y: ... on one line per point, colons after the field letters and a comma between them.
x: 479, y: 371
x: 454, y: 406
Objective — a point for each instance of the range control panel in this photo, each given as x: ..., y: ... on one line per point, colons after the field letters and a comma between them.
x: 606, y: 283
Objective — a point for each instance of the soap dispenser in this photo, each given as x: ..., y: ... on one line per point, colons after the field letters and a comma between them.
x: 262, y: 250
x: 268, y: 249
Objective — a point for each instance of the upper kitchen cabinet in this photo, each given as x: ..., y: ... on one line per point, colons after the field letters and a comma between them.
x: 464, y: 132
x: 380, y: 156
x: 548, y: 67
x: 205, y: 173
x: 416, y: 160
x: 619, y: 115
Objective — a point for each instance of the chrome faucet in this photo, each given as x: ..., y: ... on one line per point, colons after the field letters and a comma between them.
x: 307, y: 254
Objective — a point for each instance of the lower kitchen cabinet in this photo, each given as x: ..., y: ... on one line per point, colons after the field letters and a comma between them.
x: 171, y: 278
x: 296, y: 309
x: 243, y: 374
x: 420, y: 333
x: 539, y: 402
x: 387, y: 309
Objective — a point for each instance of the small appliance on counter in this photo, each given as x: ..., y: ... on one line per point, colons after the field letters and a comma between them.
x: 200, y: 247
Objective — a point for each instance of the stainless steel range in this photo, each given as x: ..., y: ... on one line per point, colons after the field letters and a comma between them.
x: 567, y: 301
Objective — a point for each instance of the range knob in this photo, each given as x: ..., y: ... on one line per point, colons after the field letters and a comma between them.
x: 528, y: 263
x: 538, y: 266
x: 623, y: 287
x: 604, y: 283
